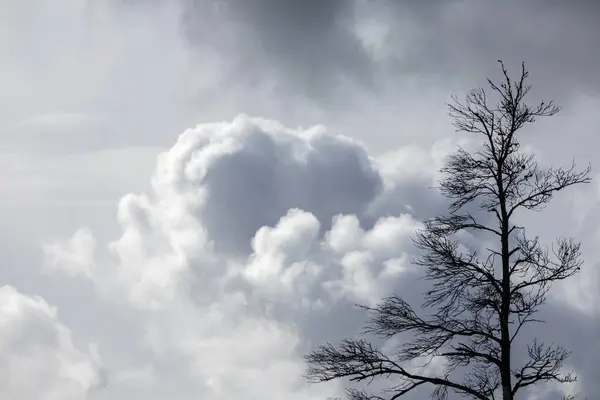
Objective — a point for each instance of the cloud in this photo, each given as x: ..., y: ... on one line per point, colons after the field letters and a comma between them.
x: 253, y: 171
x: 74, y: 257
x: 306, y: 249
x: 253, y: 245
x: 273, y: 202
x: 38, y: 358
x: 302, y: 46
x: 325, y: 50
x: 292, y: 263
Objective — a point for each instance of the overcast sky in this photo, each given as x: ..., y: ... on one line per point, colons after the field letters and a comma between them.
x: 195, y: 193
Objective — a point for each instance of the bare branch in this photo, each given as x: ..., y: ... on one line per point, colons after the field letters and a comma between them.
x: 545, y: 364
x: 359, y: 361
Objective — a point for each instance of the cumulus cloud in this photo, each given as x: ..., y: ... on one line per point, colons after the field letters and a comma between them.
x: 279, y: 202
x: 253, y: 171
x: 254, y: 228
x: 253, y: 245
x: 266, y: 195
x: 38, y: 358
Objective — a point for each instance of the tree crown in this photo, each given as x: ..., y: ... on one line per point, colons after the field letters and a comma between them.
x: 477, y: 304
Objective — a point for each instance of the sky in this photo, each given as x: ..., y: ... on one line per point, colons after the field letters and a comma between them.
x: 197, y: 192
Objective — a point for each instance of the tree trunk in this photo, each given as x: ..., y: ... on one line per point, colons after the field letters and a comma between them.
x: 505, y: 370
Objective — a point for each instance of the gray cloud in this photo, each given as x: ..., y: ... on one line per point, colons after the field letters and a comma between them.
x: 273, y: 172
x: 307, y: 47
x: 311, y: 47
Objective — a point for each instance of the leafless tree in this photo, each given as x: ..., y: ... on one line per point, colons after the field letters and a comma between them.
x: 477, y: 304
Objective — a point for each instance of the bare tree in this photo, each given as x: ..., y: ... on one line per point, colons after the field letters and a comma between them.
x: 477, y: 304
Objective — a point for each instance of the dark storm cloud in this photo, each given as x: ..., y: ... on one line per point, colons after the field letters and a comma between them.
x: 307, y: 46
x: 311, y: 47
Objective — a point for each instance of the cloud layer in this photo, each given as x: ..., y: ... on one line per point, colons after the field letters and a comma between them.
x: 313, y: 46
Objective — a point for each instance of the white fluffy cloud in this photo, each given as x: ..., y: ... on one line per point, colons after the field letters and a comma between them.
x: 38, y: 358
x: 251, y: 230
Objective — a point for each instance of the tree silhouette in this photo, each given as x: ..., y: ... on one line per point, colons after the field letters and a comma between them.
x: 477, y: 304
